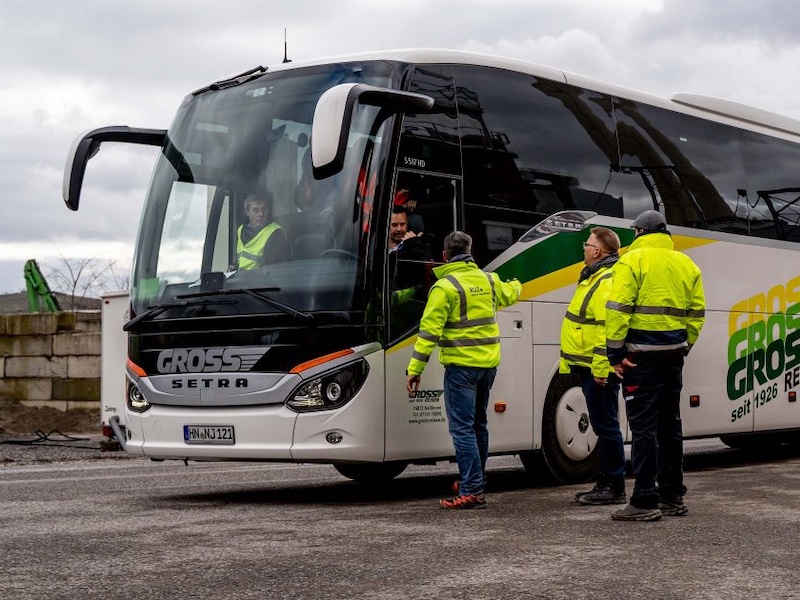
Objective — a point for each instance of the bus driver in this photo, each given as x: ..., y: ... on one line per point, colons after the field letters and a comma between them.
x: 260, y: 242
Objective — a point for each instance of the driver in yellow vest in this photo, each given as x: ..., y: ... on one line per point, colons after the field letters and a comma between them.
x: 260, y: 242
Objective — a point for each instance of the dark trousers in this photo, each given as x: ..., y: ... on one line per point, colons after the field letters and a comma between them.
x: 652, y: 391
x: 603, y: 404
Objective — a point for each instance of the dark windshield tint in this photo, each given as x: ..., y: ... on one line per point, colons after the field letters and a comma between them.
x: 531, y: 147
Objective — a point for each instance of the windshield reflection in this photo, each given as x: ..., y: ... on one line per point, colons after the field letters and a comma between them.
x: 233, y: 196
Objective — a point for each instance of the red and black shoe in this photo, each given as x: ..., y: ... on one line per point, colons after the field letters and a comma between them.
x: 466, y: 502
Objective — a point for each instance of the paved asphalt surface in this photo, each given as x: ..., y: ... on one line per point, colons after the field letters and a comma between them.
x: 91, y: 524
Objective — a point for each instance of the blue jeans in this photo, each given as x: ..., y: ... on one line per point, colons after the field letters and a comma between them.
x: 652, y: 393
x: 466, y: 399
x: 603, y: 404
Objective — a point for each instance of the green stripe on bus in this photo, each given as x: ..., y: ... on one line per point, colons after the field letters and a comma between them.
x: 552, y: 254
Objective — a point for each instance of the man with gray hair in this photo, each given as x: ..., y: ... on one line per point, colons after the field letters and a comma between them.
x: 460, y: 317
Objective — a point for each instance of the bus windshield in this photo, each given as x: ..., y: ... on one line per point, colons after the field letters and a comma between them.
x: 233, y: 204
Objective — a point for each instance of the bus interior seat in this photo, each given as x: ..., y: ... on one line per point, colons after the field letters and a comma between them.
x: 309, y: 234
x: 311, y: 245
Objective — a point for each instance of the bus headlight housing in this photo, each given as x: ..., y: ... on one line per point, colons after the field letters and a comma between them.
x: 136, y: 400
x: 331, y: 390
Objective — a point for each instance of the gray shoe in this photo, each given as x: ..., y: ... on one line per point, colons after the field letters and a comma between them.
x: 602, y: 496
x: 634, y: 513
x: 597, y: 487
x: 674, y: 507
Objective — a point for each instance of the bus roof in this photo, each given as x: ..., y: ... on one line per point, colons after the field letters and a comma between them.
x: 706, y: 107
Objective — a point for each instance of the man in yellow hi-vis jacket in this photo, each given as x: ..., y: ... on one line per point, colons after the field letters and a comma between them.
x: 260, y: 241
x: 583, y: 351
x: 653, y: 317
x: 461, y: 318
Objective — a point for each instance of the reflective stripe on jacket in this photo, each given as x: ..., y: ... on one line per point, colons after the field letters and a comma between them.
x: 583, y: 331
x: 460, y: 317
x: 250, y: 254
x: 656, y: 300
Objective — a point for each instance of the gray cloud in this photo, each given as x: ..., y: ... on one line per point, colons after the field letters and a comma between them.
x: 67, y: 68
x: 773, y: 23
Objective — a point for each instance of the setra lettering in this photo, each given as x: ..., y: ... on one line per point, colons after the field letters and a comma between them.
x: 196, y: 382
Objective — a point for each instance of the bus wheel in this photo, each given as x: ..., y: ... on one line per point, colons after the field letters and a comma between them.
x: 568, y: 441
x: 371, y: 472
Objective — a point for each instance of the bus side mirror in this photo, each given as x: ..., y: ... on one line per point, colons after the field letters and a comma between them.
x: 334, y: 113
x: 87, y: 145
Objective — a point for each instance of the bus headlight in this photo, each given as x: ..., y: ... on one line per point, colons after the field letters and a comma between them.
x: 331, y: 390
x: 136, y: 400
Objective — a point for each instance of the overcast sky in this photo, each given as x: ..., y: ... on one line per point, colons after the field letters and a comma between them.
x: 66, y: 67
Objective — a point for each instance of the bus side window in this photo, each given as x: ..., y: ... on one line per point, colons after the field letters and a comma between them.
x: 531, y: 147
x: 685, y: 167
x: 773, y: 186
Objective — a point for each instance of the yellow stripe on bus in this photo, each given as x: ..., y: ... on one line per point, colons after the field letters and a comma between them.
x: 569, y: 275
x: 565, y: 277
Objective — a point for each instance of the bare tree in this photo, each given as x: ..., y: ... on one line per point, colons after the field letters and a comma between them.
x: 81, y: 278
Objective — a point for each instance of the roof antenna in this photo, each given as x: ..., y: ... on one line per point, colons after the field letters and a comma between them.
x: 285, y: 49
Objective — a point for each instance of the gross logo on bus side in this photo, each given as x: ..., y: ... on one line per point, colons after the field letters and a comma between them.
x: 426, y: 407
x: 764, y: 347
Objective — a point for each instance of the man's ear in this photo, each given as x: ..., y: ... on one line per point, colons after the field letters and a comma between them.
x: 444, y: 255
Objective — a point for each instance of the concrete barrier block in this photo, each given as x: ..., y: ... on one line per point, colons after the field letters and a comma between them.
x: 36, y: 366
x: 76, y: 344
x: 64, y: 405
x: 85, y: 405
x: 83, y: 367
x: 27, y: 389
x: 32, y: 324
x: 88, y: 322
x: 66, y: 321
x: 26, y: 345
x: 76, y: 389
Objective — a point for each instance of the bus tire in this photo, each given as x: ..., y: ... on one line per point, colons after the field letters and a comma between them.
x: 536, y: 467
x: 371, y: 472
x: 569, y: 445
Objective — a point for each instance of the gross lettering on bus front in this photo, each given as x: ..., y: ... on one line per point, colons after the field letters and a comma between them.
x: 208, y: 434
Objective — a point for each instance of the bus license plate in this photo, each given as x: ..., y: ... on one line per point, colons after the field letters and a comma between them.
x: 208, y: 434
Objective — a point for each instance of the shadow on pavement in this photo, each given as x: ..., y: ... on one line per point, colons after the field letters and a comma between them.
x: 410, y: 487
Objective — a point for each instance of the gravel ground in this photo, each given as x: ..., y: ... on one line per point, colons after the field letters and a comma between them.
x: 18, y: 449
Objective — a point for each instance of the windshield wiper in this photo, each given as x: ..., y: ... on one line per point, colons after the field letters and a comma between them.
x: 154, y: 311
x: 289, y: 310
x: 285, y: 308
x: 233, y: 81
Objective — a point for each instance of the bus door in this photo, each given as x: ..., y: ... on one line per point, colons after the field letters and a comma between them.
x: 417, y: 427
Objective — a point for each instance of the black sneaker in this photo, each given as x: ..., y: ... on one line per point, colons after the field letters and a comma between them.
x: 634, y: 513
x: 673, y: 507
x: 597, y: 487
x: 603, y: 496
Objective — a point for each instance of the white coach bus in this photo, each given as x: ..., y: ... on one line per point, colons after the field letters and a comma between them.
x: 302, y: 358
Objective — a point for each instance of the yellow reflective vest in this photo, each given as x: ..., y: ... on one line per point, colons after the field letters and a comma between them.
x: 250, y: 254
x: 656, y: 301
x: 583, y: 331
x: 460, y: 317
